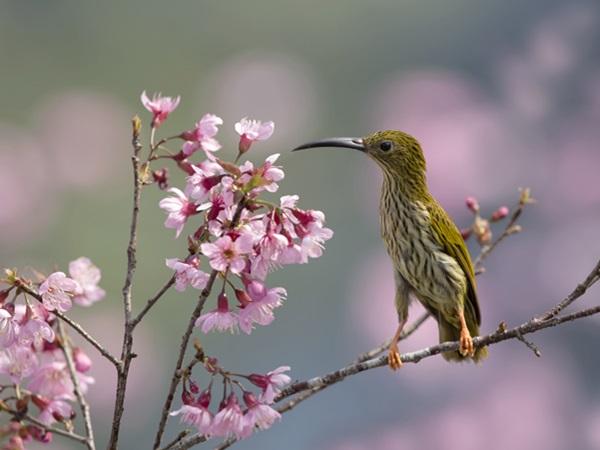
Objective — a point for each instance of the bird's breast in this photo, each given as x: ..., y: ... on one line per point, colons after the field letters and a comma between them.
x: 415, y: 253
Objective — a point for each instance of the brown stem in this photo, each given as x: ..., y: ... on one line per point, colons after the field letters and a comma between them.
x: 136, y: 320
x: 126, y: 353
x: 177, y: 373
x: 83, y: 404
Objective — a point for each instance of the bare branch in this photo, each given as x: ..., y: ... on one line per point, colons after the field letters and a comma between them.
x: 126, y: 354
x: 83, y: 404
x: 152, y: 301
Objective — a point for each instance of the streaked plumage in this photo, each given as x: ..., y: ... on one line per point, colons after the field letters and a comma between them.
x: 430, y: 259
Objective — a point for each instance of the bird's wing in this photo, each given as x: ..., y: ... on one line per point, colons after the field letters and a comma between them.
x: 448, y: 236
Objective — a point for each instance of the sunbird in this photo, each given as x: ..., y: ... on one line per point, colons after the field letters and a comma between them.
x: 430, y: 259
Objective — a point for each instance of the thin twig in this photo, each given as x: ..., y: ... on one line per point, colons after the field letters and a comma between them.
x: 508, y: 230
x: 78, y: 328
x: 126, y: 353
x: 177, y: 373
x: 577, y: 292
x: 152, y: 301
x: 83, y: 404
x: 47, y: 428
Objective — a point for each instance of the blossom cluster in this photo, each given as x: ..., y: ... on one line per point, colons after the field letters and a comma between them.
x: 480, y: 228
x: 236, y: 237
x: 242, y: 236
x: 31, y: 351
x: 232, y: 419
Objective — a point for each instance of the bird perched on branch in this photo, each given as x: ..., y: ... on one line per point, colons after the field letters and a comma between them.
x: 431, y: 261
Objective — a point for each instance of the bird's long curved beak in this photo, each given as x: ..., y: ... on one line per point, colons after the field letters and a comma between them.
x: 341, y: 142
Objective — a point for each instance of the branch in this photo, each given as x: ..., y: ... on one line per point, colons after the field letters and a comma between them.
x: 303, y: 390
x: 84, y: 334
x: 126, y: 354
x: 134, y: 322
x: 19, y: 416
x: 509, y: 229
x: 177, y: 373
x: 83, y: 404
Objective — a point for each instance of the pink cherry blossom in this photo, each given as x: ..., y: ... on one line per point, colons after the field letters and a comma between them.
x: 35, y: 331
x: 56, y: 291
x: 271, y: 383
x: 252, y: 130
x: 196, y: 416
x: 82, y: 361
x: 9, y: 329
x: 202, y: 136
x: 56, y: 410
x: 225, y: 253
x: 87, y: 275
x: 229, y: 421
x: 52, y: 380
x: 260, y: 308
x: 187, y: 273
x: 159, y: 106
x: 207, y: 175
x: 18, y: 362
x: 221, y: 319
x: 258, y: 414
x: 178, y: 208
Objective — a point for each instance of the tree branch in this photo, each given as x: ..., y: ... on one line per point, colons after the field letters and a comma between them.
x: 152, y: 301
x: 303, y: 390
x: 58, y: 431
x: 78, y: 328
x: 177, y: 373
x: 83, y: 404
x: 126, y: 354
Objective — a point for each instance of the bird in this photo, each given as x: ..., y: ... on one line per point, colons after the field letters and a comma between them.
x: 430, y: 259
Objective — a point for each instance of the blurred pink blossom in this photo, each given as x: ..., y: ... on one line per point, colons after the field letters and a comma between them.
x: 159, y: 106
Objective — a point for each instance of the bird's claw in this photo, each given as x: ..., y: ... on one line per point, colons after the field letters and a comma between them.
x: 394, y: 360
x: 466, y: 347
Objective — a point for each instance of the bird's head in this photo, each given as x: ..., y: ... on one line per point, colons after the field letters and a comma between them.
x: 397, y: 153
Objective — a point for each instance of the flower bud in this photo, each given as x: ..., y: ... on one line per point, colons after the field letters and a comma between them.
x: 243, y: 297
x: 499, y: 214
x: 250, y: 399
x: 472, y: 204
x: 466, y: 233
x: 194, y: 387
x: 83, y: 363
x: 261, y: 381
x: 161, y: 177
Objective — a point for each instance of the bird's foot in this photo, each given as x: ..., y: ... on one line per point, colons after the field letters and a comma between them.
x: 466, y: 347
x: 394, y: 360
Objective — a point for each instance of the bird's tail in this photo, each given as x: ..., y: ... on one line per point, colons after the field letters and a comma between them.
x: 449, y: 332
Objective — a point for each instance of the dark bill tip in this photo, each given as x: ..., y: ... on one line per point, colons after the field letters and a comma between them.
x: 341, y: 142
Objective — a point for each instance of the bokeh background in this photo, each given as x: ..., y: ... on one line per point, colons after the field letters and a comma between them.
x: 501, y: 94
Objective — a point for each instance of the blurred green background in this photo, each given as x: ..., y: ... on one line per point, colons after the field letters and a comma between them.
x: 501, y: 94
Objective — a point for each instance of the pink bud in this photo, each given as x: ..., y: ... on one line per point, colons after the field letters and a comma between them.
x: 466, y: 233
x: 39, y: 434
x: 83, y: 363
x: 204, y: 399
x: 243, y: 297
x: 500, y: 214
x: 222, y: 302
x: 472, y: 204
x: 250, y: 399
x: 186, y: 397
x: 194, y: 387
x: 161, y: 177
x: 262, y: 381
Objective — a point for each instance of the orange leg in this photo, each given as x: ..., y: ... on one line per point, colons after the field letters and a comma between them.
x: 394, y: 360
x: 466, y: 341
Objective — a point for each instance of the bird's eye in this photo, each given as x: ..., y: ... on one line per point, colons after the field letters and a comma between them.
x: 385, y: 146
